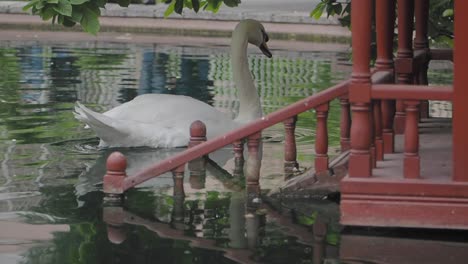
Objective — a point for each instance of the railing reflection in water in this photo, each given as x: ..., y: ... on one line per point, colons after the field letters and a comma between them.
x: 247, y: 217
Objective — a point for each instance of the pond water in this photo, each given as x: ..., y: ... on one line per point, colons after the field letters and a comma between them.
x: 51, y: 208
x: 51, y: 168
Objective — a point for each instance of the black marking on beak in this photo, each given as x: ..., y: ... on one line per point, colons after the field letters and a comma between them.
x: 265, y: 50
x: 263, y: 47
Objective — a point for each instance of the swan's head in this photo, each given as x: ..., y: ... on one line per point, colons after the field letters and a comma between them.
x: 256, y: 35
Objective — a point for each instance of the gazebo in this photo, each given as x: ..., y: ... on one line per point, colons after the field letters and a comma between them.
x: 403, y: 169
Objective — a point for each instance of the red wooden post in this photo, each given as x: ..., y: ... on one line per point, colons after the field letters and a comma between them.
x: 385, y: 21
x: 411, y: 162
x: 421, y: 42
x: 197, y: 167
x: 379, y: 145
x: 238, y: 147
x: 345, y: 123
x: 179, y: 198
x: 113, y: 180
x: 359, y: 96
x: 373, y: 150
x: 460, y: 106
x: 114, y: 217
x: 321, y: 139
x: 404, y: 62
x: 252, y: 168
x: 319, y: 229
x: 290, y: 151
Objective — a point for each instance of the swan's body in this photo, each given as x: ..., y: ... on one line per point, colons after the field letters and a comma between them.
x: 160, y: 120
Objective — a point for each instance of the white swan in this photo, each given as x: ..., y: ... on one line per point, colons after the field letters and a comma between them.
x: 160, y: 120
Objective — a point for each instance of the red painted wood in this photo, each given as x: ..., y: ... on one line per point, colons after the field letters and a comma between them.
x: 359, y: 94
x: 404, y: 60
x: 441, y: 54
x: 253, y: 164
x: 373, y: 150
x: 412, y: 92
x: 321, y: 138
x: 360, y: 162
x: 421, y: 42
x: 410, y: 248
x: 290, y: 151
x: 378, y: 130
x: 197, y: 133
x: 388, y: 136
x: 411, y: 162
x: 385, y: 22
x: 397, y: 186
x: 238, y: 147
x: 115, y: 175
x: 460, y: 106
x: 237, y: 134
x: 197, y: 167
x: 400, y: 212
x: 345, y: 124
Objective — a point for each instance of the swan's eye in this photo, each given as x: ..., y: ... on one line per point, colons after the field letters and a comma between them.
x: 265, y: 36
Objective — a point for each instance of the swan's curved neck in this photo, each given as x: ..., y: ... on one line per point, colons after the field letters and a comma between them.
x: 250, y: 107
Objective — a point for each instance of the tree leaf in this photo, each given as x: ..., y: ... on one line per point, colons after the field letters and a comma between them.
x: 90, y: 22
x: 179, y: 6
x: 78, y: 2
x: 447, y: 13
x: 30, y: 4
x: 232, y: 3
x: 196, y: 5
x: 170, y: 9
x: 123, y: 3
x: 318, y: 10
x: 213, y: 5
x: 52, y: 1
x: 64, y: 7
x: 47, y: 13
x: 77, y: 14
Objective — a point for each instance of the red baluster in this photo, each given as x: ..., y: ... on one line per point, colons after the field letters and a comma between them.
x: 345, y: 123
x: 290, y: 151
x: 372, y: 149
x: 197, y: 167
x: 379, y: 145
x: 179, y: 198
x: 252, y: 168
x: 385, y: 21
x: 113, y: 180
x: 404, y: 62
x: 321, y: 139
x: 360, y: 89
x: 411, y: 163
x: 114, y: 217
x: 421, y: 42
x: 238, y: 147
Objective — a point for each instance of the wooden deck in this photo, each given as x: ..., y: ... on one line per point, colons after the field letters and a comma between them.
x: 388, y: 199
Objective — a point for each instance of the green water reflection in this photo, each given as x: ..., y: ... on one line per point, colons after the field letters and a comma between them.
x: 51, y: 167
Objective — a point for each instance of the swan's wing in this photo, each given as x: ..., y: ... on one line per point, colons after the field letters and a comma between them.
x: 105, y: 127
x: 155, y: 108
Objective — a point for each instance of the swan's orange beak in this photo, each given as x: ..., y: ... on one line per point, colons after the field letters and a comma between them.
x: 264, y: 48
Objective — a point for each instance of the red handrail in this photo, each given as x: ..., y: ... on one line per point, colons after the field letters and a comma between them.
x: 247, y: 130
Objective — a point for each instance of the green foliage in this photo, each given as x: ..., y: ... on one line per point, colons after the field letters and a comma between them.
x: 87, y: 12
x: 71, y: 12
x: 440, y: 23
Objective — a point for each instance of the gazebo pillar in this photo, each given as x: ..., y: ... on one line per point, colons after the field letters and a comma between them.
x: 385, y: 21
x: 360, y: 163
x: 421, y: 42
x: 404, y: 60
x: 460, y: 93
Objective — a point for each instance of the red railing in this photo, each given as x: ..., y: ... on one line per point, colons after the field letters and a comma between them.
x: 116, y: 181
